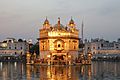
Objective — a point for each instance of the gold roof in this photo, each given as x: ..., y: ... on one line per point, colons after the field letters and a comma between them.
x: 59, y: 26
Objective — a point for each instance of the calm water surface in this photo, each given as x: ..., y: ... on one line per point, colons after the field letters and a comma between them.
x: 96, y: 71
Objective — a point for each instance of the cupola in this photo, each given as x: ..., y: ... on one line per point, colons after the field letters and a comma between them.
x: 71, y: 23
x: 46, y: 24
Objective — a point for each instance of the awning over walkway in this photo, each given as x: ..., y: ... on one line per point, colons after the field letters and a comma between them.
x: 106, y: 55
x: 8, y: 55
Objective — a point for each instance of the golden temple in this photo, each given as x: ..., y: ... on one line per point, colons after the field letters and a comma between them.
x: 58, y: 44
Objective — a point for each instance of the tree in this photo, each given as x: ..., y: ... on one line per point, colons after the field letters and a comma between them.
x: 35, y: 48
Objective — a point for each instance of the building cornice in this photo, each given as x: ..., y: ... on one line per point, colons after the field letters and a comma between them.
x: 58, y: 38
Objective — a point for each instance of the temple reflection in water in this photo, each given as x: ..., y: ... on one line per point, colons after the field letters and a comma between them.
x: 59, y: 72
x: 96, y: 71
x: 58, y: 43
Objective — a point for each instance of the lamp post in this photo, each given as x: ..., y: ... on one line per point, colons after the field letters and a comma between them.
x: 69, y: 59
x: 28, y: 57
x: 89, y: 58
x: 89, y: 55
x: 48, y: 56
x: 34, y: 56
x: 82, y: 58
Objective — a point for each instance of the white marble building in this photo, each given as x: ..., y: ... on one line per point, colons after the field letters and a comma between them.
x: 13, y: 47
x: 102, y: 47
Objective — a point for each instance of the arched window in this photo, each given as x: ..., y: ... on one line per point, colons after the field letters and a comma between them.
x: 15, y: 53
x: 58, y: 45
x: 43, y: 48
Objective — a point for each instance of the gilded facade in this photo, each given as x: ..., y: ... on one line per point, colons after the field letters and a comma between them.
x: 58, y: 43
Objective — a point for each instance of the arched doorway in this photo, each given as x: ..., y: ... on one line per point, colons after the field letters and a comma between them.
x: 59, y: 45
x: 59, y: 59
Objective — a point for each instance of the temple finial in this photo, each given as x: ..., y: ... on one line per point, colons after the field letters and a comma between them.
x: 46, y: 17
x: 58, y: 22
x: 71, y: 23
x: 71, y: 17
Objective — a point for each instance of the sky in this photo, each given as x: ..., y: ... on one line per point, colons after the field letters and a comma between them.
x: 24, y: 18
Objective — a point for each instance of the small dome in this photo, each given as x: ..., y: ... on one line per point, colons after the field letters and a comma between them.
x: 46, y: 24
x: 20, y: 40
x: 56, y: 26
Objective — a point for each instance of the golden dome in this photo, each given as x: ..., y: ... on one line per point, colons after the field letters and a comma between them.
x: 71, y: 23
x: 46, y: 21
x: 46, y: 24
x: 58, y: 25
